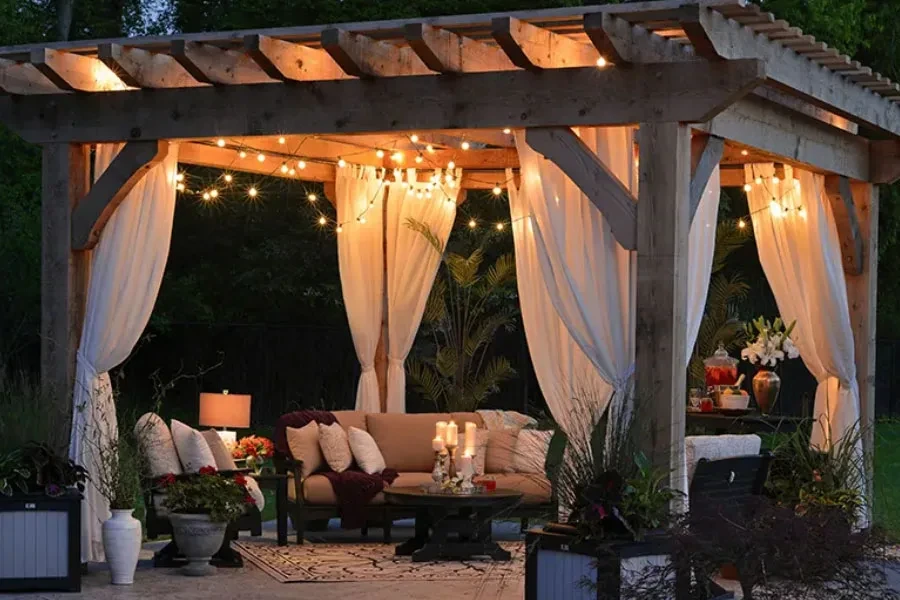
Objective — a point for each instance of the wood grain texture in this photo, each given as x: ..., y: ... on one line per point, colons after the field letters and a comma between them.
x: 140, y: 68
x: 840, y: 197
x: 24, y: 78
x: 76, y: 73
x: 361, y: 56
x: 287, y: 61
x: 445, y: 52
x: 535, y: 48
x: 661, y: 309
x: 706, y: 154
x: 884, y: 160
x: 210, y: 64
x: 689, y: 92
x: 567, y: 151
x: 125, y: 171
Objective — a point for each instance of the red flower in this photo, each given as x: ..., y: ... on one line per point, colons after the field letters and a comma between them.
x: 166, y: 480
x: 249, y: 500
x: 601, y: 512
x: 817, y: 477
x: 240, y: 480
x: 208, y: 470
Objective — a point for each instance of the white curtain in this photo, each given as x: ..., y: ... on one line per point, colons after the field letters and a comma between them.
x: 359, y: 201
x: 800, y: 252
x: 412, y: 264
x: 126, y: 271
x: 701, y: 247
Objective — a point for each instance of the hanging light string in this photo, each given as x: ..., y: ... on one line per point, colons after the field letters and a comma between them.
x: 778, y: 191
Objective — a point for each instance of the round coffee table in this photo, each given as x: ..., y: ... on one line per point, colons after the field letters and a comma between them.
x: 452, y: 526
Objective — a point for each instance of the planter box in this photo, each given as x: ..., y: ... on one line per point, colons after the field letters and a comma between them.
x: 40, y: 543
x: 559, y: 567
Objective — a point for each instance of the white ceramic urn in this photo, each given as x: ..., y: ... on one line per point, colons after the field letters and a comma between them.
x: 122, y: 545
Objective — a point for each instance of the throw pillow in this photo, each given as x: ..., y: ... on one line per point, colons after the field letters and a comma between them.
x: 259, y: 498
x: 500, y: 448
x: 530, y: 454
x: 224, y: 461
x: 304, y: 446
x: 366, y: 451
x: 156, y: 444
x: 481, y: 442
x: 335, y: 447
x: 192, y: 448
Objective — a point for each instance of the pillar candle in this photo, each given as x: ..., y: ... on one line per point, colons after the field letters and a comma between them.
x: 452, y: 436
x: 441, y: 430
x: 470, y: 438
x: 466, y: 466
x: 437, y: 444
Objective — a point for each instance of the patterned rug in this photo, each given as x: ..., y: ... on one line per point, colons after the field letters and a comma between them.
x: 369, y: 562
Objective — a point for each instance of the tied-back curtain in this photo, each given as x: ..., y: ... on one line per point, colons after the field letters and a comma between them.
x: 126, y: 271
x: 359, y: 201
x: 701, y: 247
x: 798, y: 245
x: 412, y: 264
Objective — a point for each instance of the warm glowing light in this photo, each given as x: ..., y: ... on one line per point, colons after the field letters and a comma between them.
x: 429, y: 148
x: 465, y: 145
x: 342, y: 162
x: 220, y: 143
x: 361, y: 219
x: 301, y: 164
x: 802, y: 212
x: 419, y: 158
x: 312, y: 197
x: 322, y: 220
x: 228, y: 178
x: 775, y: 208
x: 499, y: 226
x: 379, y: 153
x: 213, y: 193
x: 284, y: 168
x: 242, y: 154
x: 601, y: 62
x: 451, y: 165
x: 281, y: 140
x: 747, y: 187
x: 741, y: 224
x: 261, y: 157
x: 451, y: 184
x: 744, y: 153
x: 339, y: 229
x: 180, y: 187
x: 428, y: 194
x: 775, y: 180
x: 448, y: 177
x: 397, y: 157
x: 507, y: 130
x: 179, y: 177
x: 497, y: 190
x: 371, y: 203
x: 414, y: 138
x: 419, y: 195
x: 472, y: 224
x: 758, y: 181
x: 252, y: 192
x: 292, y: 172
x: 206, y: 195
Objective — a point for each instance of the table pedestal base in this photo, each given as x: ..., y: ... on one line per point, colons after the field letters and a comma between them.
x: 443, y: 534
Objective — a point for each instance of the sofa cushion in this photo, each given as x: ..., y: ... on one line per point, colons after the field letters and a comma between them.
x: 317, y: 490
x: 351, y: 418
x: 412, y: 480
x: 224, y: 461
x: 365, y: 451
x: 304, y: 446
x: 536, y: 488
x: 193, y: 451
x: 405, y: 439
x: 463, y: 417
x: 530, y: 454
x: 335, y: 447
x: 157, y: 446
x: 500, y: 448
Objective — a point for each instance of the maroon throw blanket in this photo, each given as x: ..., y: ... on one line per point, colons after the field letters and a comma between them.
x: 353, y: 488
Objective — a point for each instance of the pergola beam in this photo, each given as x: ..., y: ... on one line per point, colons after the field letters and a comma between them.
x: 535, y: 48
x: 75, y: 73
x: 706, y: 154
x: 445, y: 52
x: 845, y: 217
x: 210, y: 64
x: 691, y: 92
x: 286, y: 61
x: 140, y: 68
x: 567, y: 151
x: 24, y: 78
x: 361, y: 56
x: 125, y: 171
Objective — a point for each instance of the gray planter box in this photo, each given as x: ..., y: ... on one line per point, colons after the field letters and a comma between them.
x: 40, y: 543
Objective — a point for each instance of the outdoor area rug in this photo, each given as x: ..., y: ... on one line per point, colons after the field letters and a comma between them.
x: 322, y: 563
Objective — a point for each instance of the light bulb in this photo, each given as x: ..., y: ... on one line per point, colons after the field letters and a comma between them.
x: 429, y: 149
x: 206, y: 195
x: 448, y: 177
x: 741, y: 224
x: 284, y: 168
x: 281, y: 140
x: 252, y: 192
x: 507, y: 130
x: 499, y: 226
x: 379, y: 153
x: 339, y: 229
x: 497, y: 190
x: 261, y: 157
x: 312, y: 197
x: 775, y: 208
x: 342, y: 162
x: 601, y: 62
x: 472, y: 224
x: 322, y: 220
x: 180, y: 187
x: 213, y: 193
x: 451, y: 184
x: 220, y: 143
x: 428, y: 194
x: 242, y: 154
x: 747, y: 187
x: 775, y: 180
x: 802, y: 212
x: 414, y: 138
x: 744, y: 153
x: 419, y: 158
x: 397, y: 157
x: 228, y: 178
x: 301, y: 164
x: 758, y: 181
x: 292, y: 172
x: 465, y: 145
x: 361, y: 219
x: 419, y: 195
x: 371, y: 203
x: 451, y: 165
x: 179, y: 177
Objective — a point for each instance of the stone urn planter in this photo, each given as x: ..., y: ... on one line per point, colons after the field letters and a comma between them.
x: 198, y: 538
x: 122, y: 545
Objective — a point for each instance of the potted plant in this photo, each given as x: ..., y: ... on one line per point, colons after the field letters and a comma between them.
x: 201, y: 507
x: 37, y: 485
x: 770, y: 343
x: 254, y: 450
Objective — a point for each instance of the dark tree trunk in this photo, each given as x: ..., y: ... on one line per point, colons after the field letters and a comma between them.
x: 64, y: 11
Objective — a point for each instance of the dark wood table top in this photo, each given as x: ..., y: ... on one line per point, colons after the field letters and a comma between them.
x: 416, y: 496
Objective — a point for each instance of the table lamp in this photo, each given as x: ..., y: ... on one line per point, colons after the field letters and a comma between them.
x: 225, y: 410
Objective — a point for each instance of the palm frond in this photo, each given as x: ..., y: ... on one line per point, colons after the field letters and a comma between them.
x: 500, y: 273
x: 426, y: 380
x: 728, y: 240
x: 484, y: 332
x: 497, y: 370
x: 446, y: 361
x: 436, y: 305
x: 464, y: 269
x: 427, y: 233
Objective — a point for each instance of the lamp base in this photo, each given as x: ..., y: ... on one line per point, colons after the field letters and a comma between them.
x: 229, y: 438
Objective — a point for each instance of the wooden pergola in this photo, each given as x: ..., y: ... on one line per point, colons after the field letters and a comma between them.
x: 714, y: 82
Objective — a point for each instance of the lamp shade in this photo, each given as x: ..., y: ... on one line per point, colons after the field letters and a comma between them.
x: 225, y: 410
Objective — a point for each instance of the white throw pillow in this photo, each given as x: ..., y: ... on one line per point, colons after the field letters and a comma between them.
x: 366, y: 452
x: 192, y: 448
x: 157, y: 446
x: 256, y: 493
x: 530, y: 454
x: 223, y: 458
x: 335, y: 447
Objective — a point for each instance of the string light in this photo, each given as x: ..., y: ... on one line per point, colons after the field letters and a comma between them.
x: 220, y: 143
x: 284, y: 168
x: 312, y: 197
x: 758, y: 181
x: 419, y: 195
x: 339, y: 229
x: 429, y: 149
x: 281, y: 140
x: 228, y: 178
x: 601, y: 62
x: 261, y: 157
x: 206, y: 195
x: 292, y: 172
x: 499, y: 226
x: 252, y: 192
x: 507, y: 130
x: 179, y: 177
x: 741, y: 224
x: 342, y: 163
x: 472, y: 224
x: 802, y: 212
x: 379, y: 153
x: 214, y: 193
x: 242, y: 154
x: 361, y: 219
x: 747, y: 187
x: 414, y: 138
x: 397, y: 157
x: 322, y: 220
x: 465, y: 145
x: 497, y: 190
x: 775, y: 180
x: 451, y: 165
x: 744, y: 153
x: 775, y: 208
x: 301, y: 164
x: 419, y: 158
x: 180, y: 187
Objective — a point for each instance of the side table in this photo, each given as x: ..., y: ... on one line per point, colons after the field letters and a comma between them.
x: 279, y: 483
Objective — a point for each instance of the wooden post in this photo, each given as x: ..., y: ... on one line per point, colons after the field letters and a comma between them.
x: 861, y: 296
x: 64, y: 273
x: 381, y: 351
x: 663, y: 217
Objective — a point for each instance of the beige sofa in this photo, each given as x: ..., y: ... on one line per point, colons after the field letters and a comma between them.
x: 405, y: 443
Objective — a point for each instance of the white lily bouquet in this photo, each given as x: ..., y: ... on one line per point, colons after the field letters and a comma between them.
x: 771, y: 342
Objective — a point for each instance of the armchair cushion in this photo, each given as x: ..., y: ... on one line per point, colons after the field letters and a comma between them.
x: 304, y: 446
x: 192, y: 448
x: 157, y: 446
x: 500, y: 450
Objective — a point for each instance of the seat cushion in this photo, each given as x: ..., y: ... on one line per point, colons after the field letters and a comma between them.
x: 405, y: 439
x: 317, y: 490
x: 351, y: 418
x: 412, y: 480
x: 537, y: 489
x: 157, y: 446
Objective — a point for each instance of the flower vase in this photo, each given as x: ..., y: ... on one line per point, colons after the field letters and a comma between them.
x: 255, y: 464
x: 766, y: 386
x: 122, y: 546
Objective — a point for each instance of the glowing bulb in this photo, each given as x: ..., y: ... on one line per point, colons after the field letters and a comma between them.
x: 339, y: 229
x: 775, y: 180
x: 180, y: 187
x: 414, y: 138
x: 451, y: 184
x: 451, y: 165
x: 448, y: 177
x: 429, y: 149
x: 465, y: 145
x: 284, y: 168
x: 228, y: 178
x: 301, y: 164
x: 497, y: 190
x: 744, y: 153
x: 252, y: 192
x: 747, y: 187
x: 206, y: 195
x: 741, y: 224
x: 507, y: 130
x: 379, y: 153
x: 261, y: 157
x: 419, y: 195
x: 220, y: 143
x: 179, y: 177
x: 802, y: 212
x: 322, y: 220
x: 292, y: 172
x: 499, y: 226
x: 601, y: 62
x: 397, y: 157
x: 281, y: 140
x: 361, y: 219
x: 419, y: 158
x: 312, y: 197
x: 775, y: 208
x: 428, y: 194
x: 472, y: 224
x: 758, y: 181
x: 242, y: 154
x: 342, y: 162
x: 213, y: 193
